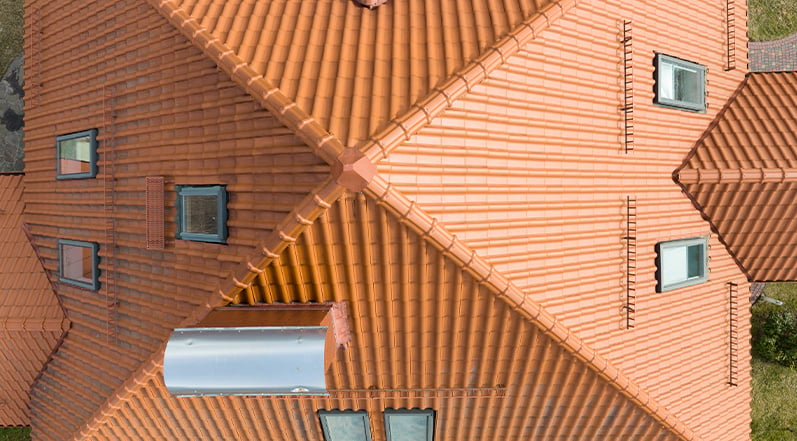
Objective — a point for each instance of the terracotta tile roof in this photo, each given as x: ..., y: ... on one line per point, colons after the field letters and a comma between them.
x: 534, y: 180
x: 177, y: 116
x: 436, y: 306
x: 352, y: 69
x: 31, y: 319
x: 742, y: 175
x: 401, y: 268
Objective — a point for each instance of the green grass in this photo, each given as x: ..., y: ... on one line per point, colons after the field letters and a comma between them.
x: 774, y: 404
x: 10, y: 33
x: 15, y: 434
x: 771, y: 19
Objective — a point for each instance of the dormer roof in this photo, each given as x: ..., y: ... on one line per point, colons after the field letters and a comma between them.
x: 742, y: 176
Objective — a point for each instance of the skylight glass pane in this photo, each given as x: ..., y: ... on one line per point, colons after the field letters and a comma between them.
x: 686, y: 84
x: 76, y: 263
x: 674, y: 266
x: 695, y: 261
x: 75, y: 155
x: 345, y: 425
x: 200, y: 214
x: 666, y: 89
x: 409, y: 425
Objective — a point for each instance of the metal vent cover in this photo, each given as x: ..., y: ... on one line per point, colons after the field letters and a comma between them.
x: 154, y: 212
x: 246, y: 361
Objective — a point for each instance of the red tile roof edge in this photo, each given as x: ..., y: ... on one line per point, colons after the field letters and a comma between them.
x: 757, y: 175
x: 29, y: 236
x: 442, y: 97
x: 66, y: 324
x: 676, y: 175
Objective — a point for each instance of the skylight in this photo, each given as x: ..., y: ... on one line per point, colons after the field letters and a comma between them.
x: 409, y: 424
x: 345, y: 425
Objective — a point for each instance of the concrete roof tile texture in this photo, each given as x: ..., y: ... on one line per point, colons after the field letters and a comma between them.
x: 31, y: 319
x: 742, y: 174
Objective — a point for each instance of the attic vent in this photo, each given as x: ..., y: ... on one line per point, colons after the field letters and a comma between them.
x: 154, y: 212
x: 370, y: 4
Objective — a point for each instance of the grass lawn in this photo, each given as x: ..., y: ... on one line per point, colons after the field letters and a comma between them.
x: 10, y: 33
x: 774, y: 405
x: 15, y: 434
x: 771, y: 19
x: 774, y: 402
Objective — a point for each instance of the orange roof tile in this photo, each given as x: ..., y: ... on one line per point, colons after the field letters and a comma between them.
x: 742, y: 175
x: 31, y: 319
x: 351, y: 68
x: 447, y: 367
x: 334, y: 91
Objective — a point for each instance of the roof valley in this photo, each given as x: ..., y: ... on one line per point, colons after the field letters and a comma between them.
x: 504, y: 289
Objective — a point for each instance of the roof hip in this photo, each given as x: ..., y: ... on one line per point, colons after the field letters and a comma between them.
x: 459, y: 84
x: 330, y: 148
x: 327, y: 146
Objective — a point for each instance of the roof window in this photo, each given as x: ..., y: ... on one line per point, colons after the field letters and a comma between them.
x: 76, y: 155
x: 680, y: 84
x: 409, y: 424
x: 78, y: 263
x: 681, y: 263
x: 345, y: 425
x: 201, y: 213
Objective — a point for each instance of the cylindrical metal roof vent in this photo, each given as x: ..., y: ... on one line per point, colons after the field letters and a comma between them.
x: 285, y: 360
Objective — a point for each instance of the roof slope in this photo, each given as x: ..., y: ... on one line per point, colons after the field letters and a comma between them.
x: 742, y: 175
x: 351, y: 68
x: 317, y: 202
x: 176, y: 116
x: 568, y: 346
x: 413, y: 346
x: 31, y: 320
